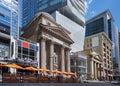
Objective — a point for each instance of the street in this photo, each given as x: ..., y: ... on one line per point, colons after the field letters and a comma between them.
x: 57, y: 84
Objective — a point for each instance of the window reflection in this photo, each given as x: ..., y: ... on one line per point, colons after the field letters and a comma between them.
x: 4, y: 50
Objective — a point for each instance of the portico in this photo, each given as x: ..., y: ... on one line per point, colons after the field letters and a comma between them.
x: 94, y: 65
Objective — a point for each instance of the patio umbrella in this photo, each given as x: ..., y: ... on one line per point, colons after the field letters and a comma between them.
x: 13, y: 66
x: 70, y: 73
x: 31, y: 69
x: 44, y: 70
x: 56, y: 71
x: 66, y: 73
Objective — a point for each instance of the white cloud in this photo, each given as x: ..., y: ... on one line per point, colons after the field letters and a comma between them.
x: 87, y: 3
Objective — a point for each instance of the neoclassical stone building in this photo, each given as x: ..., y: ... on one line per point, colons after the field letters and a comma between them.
x: 99, y: 50
x: 94, y: 65
x: 54, y: 42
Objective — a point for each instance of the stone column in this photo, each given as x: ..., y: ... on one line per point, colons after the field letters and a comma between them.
x: 68, y: 60
x: 100, y: 71
x: 62, y: 59
x: 43, y: 53
x: 92, y: 69
x: 95, y: 71
x: 51, y: 55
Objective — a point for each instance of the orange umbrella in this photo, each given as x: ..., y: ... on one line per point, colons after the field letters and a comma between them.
x: 44, y: 70
x: 65, y: 73
x: 70, y: 73
x: 31, y: 69
x: 56, y: 71
x: 14, y: 66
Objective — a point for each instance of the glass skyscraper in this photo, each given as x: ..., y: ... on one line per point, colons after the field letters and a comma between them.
x: 28, y: 11
x: 14, y: 49
x: 8, y: 25
x: 9, y: 17
x: 73, y: 9
x: 68, y: 13
x: 100, y: 23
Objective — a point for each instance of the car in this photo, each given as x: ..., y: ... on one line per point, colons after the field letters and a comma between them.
x: 115, y: 82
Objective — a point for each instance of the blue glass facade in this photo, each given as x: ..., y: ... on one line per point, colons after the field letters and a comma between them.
x: 101, y: 24
x: 95, y: 27
x: 43, y: 5
x: 28, y: 11
x: 9, y: 18
x: 31, y: 7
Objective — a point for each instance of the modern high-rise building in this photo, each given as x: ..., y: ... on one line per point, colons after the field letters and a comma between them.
x: 8, y: 25
x: 28, y: 11
x: 104, y: 22
x: 13, y: 49
x: 9, y: 17
x: 116, y: 58
x: 100, y: 23
x: 68, y: 13
x: 119, y: 52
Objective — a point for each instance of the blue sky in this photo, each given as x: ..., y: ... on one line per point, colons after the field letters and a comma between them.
x: 95, y: 7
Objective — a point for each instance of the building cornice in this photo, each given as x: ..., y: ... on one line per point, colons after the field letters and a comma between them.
x: 102, y: 33
x: 101, y: 14
x: 46, y: 27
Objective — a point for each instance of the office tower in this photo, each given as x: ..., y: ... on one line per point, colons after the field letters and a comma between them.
x: 100, y: 23
x: 8, y: 25
x: 9, y: 17
x: 68, y: 13
x: 104, y: 22
x: 13, y: 49
x: 28, y: 11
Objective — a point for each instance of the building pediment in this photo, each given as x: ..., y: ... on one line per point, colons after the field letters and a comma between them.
x: 96, y: 56
x: 58, y: 31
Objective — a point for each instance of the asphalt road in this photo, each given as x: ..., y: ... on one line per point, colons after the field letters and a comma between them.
x: 57, y: 84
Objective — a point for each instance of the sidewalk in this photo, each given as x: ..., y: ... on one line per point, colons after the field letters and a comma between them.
x: 96, y: 81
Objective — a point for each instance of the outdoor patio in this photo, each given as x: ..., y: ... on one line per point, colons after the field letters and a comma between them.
x: 35, y: 75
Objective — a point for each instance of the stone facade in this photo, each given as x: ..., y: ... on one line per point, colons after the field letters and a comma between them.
x: 99, y: 50
x: 54, y: 42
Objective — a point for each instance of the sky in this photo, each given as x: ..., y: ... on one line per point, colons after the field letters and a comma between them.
x: 94, y: 7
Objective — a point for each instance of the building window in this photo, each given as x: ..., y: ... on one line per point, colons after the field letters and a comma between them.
x: 72, y: 62
x: 104, y: 44
x: 95, y: 27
